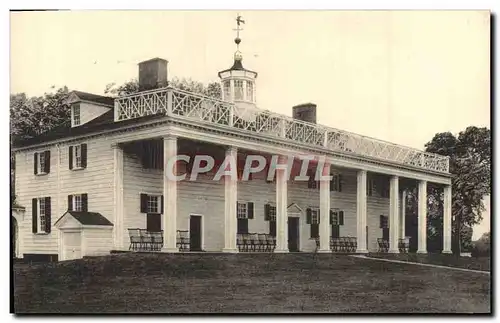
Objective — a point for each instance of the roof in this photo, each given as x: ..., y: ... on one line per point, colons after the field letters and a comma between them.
x: 103, y: 122
x: 85, y: 96
x: 87, y: 218
x: 237, y: 66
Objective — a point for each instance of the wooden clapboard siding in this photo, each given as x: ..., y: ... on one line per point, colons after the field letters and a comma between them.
x: 97, y: 241
x: 96, y: 180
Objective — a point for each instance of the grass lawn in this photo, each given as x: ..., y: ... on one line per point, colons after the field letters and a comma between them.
x: 257, y: 283
x: 481, y: 263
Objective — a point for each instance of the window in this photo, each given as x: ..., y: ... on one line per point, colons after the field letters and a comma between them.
x: 370, y: 187
x: 335, y: 183
x: 272, y: 213
x: 77, y: 203
x: 314, y: 223
x: 41, y: 163
x: 227, y: 90
x: 241, y: 211
x: 238, y: 90
x: 312, y: 183
x: 41, y: 215
x: 244, y: 211
x: 76, y: 115
x: 249, y: 91
x: 154, y: 204
x: 78, y: 156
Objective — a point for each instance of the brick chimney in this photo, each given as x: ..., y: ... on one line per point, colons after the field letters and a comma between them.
x: 305, y: 112
x: 153, y: 74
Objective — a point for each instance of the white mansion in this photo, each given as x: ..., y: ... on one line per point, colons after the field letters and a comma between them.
x: 100, y: 186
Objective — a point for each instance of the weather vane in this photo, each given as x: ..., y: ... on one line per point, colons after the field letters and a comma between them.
x: 239, y: 21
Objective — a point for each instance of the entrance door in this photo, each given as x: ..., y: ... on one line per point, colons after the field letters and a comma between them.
x: 72, y: 245
x: 195, y: 233
x: 293, y: 234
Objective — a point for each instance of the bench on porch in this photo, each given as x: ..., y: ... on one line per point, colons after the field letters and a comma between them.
x: 341, y: 244
x: 403, y: 245
x: 143, y: 240
x: 255, y: 242
x: 183, y: 242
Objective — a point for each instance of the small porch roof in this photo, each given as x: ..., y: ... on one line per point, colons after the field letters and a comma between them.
x: 84, y: 219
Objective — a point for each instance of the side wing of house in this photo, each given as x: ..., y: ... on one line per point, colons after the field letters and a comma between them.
x: 52, y: 179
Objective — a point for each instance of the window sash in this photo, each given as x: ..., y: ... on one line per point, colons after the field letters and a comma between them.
x: 77, y: 203
x: 154, y: 204
x: 242, y: 211
x: 41, y: 215
x: 78, y: 156
x: 272, y: 213
x: 41, y: 162
x: 76, y: 115
x: 249, y: 91
x: 314, y: 216
x: 227, y: 89
x: 238, y: 90
x: 335, y: 183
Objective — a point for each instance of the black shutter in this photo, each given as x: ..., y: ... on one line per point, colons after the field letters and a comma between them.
x: 385, y: 233
x: 47, y: 162
x: 85, y: 202
x: 162, y: 205
x: 331, y: 217
x: 144, y: 203
x: 48, y: 222
x: 35, y: 159
x: 340, y: 182
x: 250, y: 210
x: 70, y: 154
x: 34, y: 215
x: 70, y: 202
x: 84, y: 155
x: 341, y: 217
x: 381, y: 224
x: 319, y: 216
x: 267, y: 208
x: 309, y: 216
x: 332, y: 182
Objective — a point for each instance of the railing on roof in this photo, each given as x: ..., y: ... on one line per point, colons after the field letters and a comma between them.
x: 193, y: 106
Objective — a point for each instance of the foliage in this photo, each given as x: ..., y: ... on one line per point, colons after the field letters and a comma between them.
x: 470, y: 163
x: 482, y: 247
x: 186, y: 84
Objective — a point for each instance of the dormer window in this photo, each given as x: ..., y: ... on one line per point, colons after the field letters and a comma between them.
x: 75, y: 114
x: 238, y: 90
x: 249, y: 91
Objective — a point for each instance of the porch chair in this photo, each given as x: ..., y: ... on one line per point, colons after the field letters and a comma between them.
x: 262, y: 242
x: 383, y: 245
x: 183, y: 242
x: 246, y: 242
x: 239, y: 241
x: 146, y: 240
x: 254, y: 241
x: 156, y: 240
x: 135, y: 239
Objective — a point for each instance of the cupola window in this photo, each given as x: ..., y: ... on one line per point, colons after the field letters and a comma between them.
x: 249, y: 91
x: 238, y: 90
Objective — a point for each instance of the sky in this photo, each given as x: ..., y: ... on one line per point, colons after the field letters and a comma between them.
x: 400, y: 76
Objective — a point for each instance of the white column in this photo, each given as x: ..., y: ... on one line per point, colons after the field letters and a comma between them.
x: 394, y: 215
x: 169, y: 223
x: 361, y: 212
x: 324, y: 210
x: 447, y: 203
x: 281, y: 206
x: 230, y: 200
x: 118, y: 228
x: 402, y: 221
x: 422, y: 217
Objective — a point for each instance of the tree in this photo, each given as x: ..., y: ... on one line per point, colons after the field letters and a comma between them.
x: 470, y: 163
x: 212, y: 90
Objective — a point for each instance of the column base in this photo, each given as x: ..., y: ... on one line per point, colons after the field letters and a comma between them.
x: 393, y: 251
x: 170, y: 250
x: 281, y: 251
x: 230, y: 250
x: 447, y: 252
x: 324, y: 251
x: 422, y: 251
x: 361, y: 250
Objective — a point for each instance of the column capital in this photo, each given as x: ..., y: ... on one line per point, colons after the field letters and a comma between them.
x: 170, y: 137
